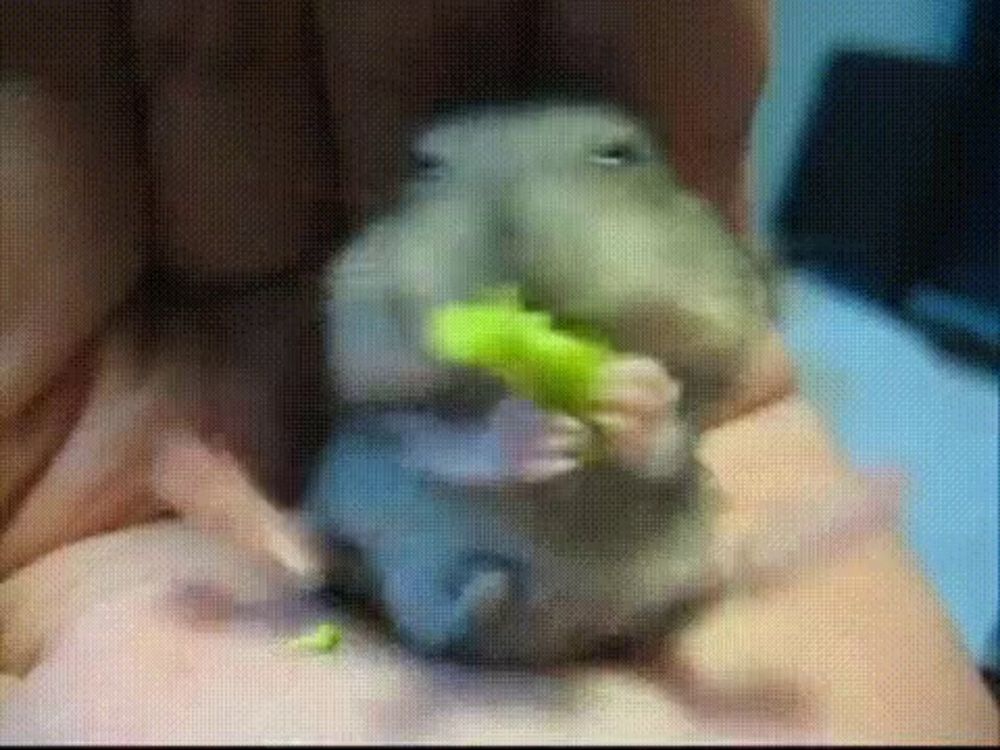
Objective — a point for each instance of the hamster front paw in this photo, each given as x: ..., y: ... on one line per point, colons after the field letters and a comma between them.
x: 637, y: 410
x: 538, y: 445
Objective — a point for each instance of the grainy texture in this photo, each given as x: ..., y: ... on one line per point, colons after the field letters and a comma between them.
x: 575, y: 205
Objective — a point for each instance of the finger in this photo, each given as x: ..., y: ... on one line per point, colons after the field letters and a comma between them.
x: 805, y: 533
x: 391, y: 63
x: 94, y: 482
x: 28, y: 441
x: 631, y: 436
x: 235, y: 134
x: 767, y: 378
x: 613, y: 423
x: 542, y: 470
x: 638, y: 387
x: 214, y: 492
x: 693, y: 68
x: 634, y: 405
x: 70, y: 199
x: 636, y: 400
x: 567, y: 425
x: 565, y: 435
x: 238, y: 381
x: 564, y: 443
x: 642, y: 371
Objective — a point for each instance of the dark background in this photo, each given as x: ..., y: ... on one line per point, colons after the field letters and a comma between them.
x: 894, y: 193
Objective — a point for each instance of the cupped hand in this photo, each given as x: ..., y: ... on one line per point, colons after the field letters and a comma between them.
x: 227, y: 146
x: 859, y: 651
x: 172, y: 173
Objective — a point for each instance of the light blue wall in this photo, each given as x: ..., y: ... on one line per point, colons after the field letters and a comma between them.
x: 889, y: 398
x: 804, y: 34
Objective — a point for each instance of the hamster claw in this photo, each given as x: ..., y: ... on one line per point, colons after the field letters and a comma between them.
x: 538, y: 446
x: 637, y: 410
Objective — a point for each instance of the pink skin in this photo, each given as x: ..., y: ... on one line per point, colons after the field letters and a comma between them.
x: 637, y: 404
x: 208, y: 487
x: 636, y: 413
x: 759, y: 705
x: 636, y: 407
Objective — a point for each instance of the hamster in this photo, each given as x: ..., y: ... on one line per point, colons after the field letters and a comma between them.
x: 474, y: 520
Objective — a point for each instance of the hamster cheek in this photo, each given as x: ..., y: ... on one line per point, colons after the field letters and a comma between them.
x: 372, y: 359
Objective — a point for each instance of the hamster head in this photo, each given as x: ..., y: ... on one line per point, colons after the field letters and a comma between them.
x: 575, y: 206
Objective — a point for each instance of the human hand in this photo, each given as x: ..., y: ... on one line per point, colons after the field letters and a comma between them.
x: 181, y: 137
x: 859, y: 651
x: 229, y: 176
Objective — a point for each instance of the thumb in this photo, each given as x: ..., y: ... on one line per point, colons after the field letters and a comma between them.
x: 804, y: 533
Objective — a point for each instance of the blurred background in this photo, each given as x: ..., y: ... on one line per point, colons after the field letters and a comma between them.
x: 877, y: 170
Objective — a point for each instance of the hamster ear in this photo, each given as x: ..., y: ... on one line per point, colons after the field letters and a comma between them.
x: 799, y: 534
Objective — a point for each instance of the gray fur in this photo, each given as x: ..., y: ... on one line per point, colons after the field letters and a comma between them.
x: 577, y: 206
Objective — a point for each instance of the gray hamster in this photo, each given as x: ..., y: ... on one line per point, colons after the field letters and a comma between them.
x: 489, y: 553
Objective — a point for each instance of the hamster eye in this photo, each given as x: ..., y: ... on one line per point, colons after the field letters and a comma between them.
x: 618, y: 154
x: 427, y: 166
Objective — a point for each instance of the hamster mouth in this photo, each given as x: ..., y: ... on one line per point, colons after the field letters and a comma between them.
x: 467, y: 396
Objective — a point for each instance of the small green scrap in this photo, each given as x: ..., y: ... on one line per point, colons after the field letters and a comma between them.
x: 556, y: 369
x: 323, y: 640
